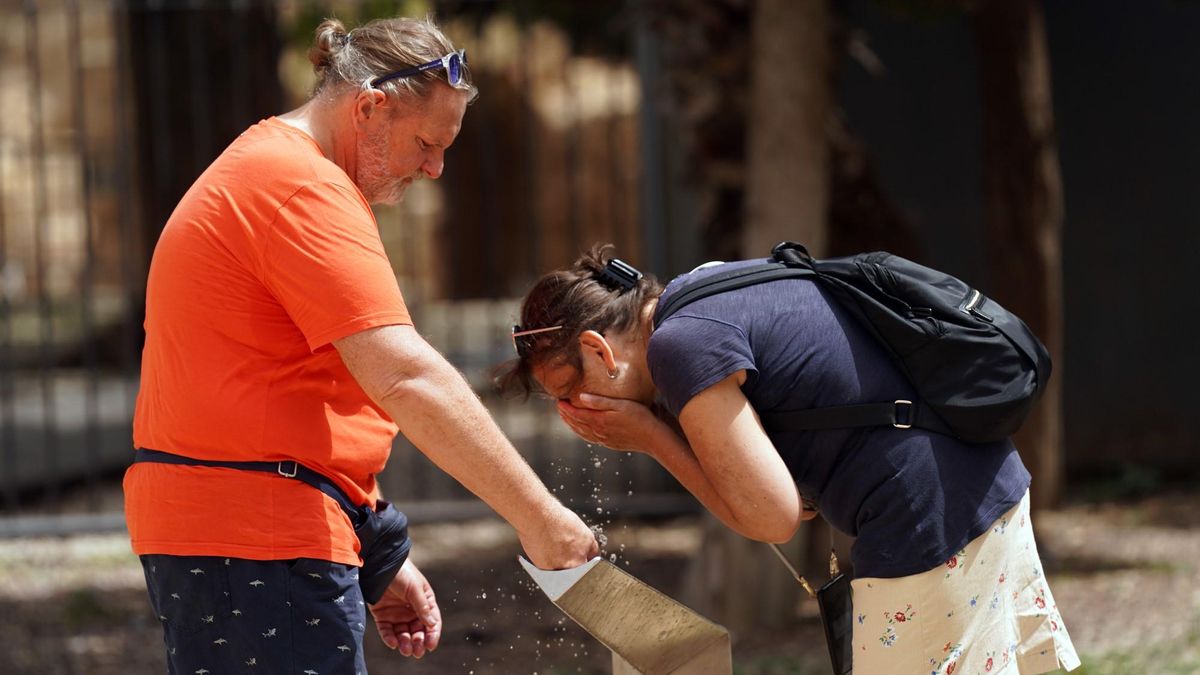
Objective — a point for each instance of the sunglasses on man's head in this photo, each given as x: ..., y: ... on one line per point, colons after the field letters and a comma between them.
x: 523, y: 340
x: 454, y: 63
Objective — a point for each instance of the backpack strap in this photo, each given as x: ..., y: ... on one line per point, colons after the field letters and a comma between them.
x: 789, y: 260
x: 792, y: 261
x: 901, y: 414
x: 727, y: 281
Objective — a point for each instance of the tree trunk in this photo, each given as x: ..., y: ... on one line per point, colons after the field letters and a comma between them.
x: 1024, y: 207
x: 706, y: 50
x: 737, y: 581
x: 791, y: 99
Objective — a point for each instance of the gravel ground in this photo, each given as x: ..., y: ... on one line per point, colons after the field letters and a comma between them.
x: 1125, y: 576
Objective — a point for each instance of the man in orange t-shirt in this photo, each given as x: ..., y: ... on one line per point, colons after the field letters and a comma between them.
x: 276, y: 334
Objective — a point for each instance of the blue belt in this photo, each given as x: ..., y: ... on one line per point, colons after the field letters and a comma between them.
x: 287, y: 469
x: 382, y: 530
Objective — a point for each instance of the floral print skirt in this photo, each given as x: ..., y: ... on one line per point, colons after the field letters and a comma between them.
x: 987, y: 610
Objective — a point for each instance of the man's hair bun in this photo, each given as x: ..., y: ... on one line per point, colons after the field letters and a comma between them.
x: 331, y: 37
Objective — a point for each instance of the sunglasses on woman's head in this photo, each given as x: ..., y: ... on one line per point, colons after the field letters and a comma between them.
x: 454, y: 63
x: 523, y: 340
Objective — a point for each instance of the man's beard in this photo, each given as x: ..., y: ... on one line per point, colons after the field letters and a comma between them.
x: 374, y: 180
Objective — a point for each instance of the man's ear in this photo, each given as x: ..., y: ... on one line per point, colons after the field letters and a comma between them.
x: 366, y: 104
x: 593, y: 345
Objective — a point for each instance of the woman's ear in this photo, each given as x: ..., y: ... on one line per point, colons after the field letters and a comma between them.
x: 593, y: 345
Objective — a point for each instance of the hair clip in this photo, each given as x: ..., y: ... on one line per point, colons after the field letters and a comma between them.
x: 619, y: 274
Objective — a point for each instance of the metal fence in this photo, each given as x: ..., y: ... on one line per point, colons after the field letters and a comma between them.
x: 69, y: 269
x: 112, y: 108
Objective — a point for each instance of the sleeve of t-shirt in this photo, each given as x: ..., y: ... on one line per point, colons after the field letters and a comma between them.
x: 325, y: 263
x: 688, y: 354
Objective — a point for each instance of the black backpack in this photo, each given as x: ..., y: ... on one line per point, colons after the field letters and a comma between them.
x: 977, y: 368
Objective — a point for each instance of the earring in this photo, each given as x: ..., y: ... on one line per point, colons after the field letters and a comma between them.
x: 612, y: 374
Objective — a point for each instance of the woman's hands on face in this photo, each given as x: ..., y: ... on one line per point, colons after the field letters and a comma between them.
x: 615, y: 423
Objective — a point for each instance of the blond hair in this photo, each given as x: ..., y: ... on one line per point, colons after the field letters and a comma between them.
x: 377, y: 48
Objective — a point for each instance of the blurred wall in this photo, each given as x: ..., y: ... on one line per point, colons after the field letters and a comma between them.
x: 1126, y: 80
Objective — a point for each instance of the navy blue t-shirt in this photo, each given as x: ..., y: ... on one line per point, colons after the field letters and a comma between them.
x: 912, y: 497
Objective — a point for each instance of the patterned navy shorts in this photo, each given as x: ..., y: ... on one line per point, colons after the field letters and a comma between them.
x: 229, y: 615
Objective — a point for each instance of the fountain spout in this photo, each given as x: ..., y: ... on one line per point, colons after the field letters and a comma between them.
x: 648, y: 632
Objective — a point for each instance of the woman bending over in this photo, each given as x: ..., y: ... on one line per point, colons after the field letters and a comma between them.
x: 948, y: 575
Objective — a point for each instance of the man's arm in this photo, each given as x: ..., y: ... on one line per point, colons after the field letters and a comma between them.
x: 439, y: 413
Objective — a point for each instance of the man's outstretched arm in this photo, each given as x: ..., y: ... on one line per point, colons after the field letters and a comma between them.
x: 439, y: 413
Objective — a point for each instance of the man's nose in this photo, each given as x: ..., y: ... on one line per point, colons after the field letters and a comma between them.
x: 433, y: 165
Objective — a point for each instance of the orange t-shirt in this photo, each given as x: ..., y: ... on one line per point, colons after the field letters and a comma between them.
x: 271, y: 256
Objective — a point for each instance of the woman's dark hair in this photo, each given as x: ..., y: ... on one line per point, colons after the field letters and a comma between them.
x: 578, y: 298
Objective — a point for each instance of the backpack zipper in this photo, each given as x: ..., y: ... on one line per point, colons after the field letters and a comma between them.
x: 973, y: 301
x: 971, y: 306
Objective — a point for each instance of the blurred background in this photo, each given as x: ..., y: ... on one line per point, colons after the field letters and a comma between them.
x: 1039, y: 150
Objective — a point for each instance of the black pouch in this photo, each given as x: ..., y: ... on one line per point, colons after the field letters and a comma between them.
x: 835, y: 600
x: 383, y: 545
x: 837, y: 617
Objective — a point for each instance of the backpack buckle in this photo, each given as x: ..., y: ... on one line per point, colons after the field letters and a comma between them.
x: 284, y: 472
x: 904, y: 411
x: 791, y: 253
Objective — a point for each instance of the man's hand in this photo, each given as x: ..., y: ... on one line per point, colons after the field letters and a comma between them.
x: 407, y: 615
x: 563, y: 541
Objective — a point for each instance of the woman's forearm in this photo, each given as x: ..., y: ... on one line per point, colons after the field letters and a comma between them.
x: 737, y: 457
x: 674, y: 454
x: 739, y: 477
